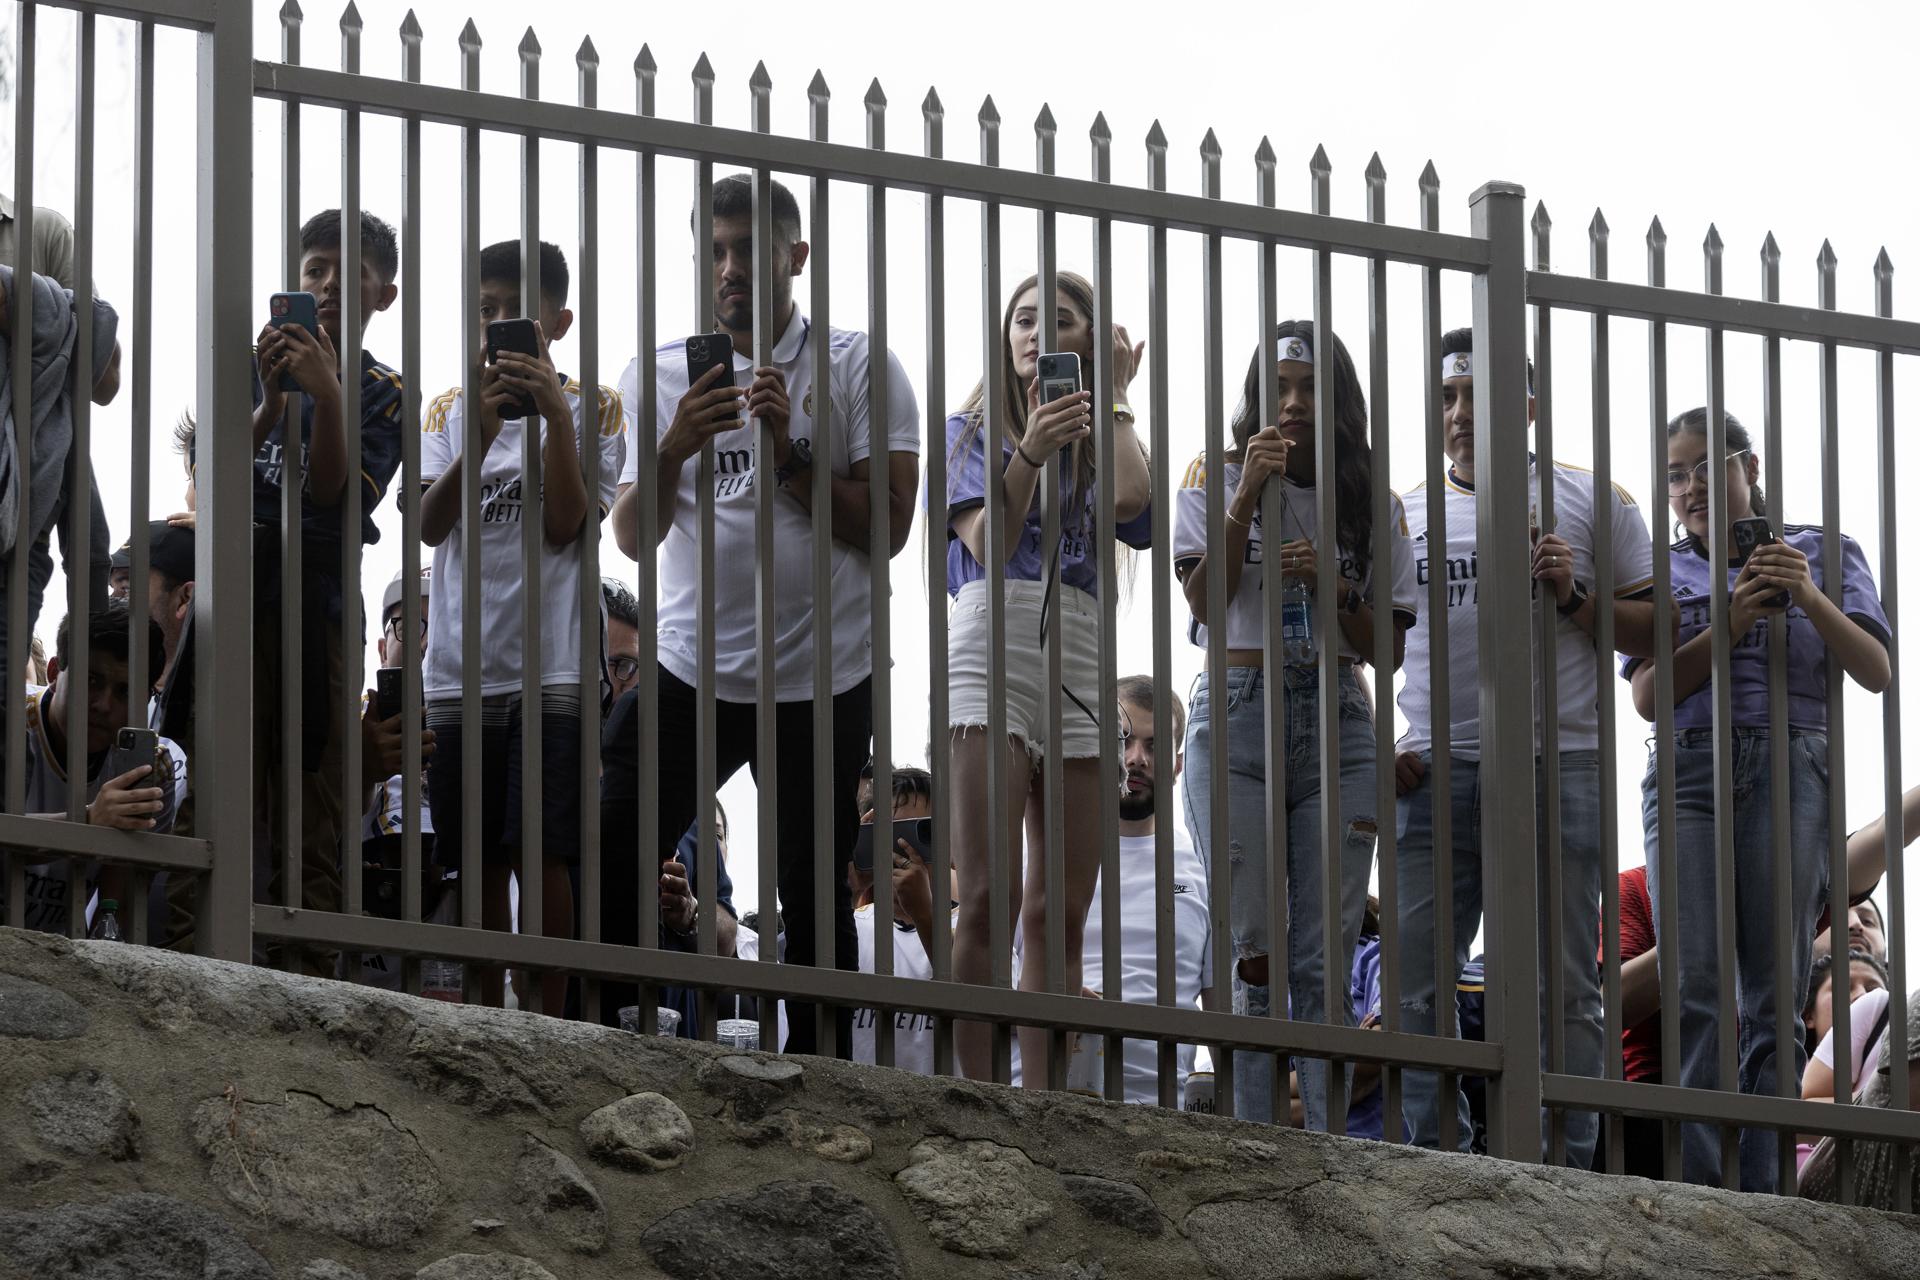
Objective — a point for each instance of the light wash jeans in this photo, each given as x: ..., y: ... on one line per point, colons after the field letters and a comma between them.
x: 1245, y: 727
x: 1584, y: 1024
x: 1756, y: 985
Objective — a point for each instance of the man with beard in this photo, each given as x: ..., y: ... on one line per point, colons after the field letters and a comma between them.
x: 1192, y: 931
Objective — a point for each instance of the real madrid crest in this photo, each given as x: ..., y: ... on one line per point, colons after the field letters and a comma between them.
x: 1461, y: 364
x: 806, y: 405
x: 1296, y: 350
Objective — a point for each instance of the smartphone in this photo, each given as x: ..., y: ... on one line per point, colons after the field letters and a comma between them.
x: 917, y: 832
x: 142, y: 746
x: 705, y: 350
x: 1059, y: 375
x: 513, y: 335
x: 1748, y: 536
x: 301, y: 309
x: 386, y: 692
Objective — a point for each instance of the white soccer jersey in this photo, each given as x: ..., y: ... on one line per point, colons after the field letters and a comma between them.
x: 736, y: 634
x: 1579, y: 683
x: 1246, y: 612
x: 502, y: 571
x: 912, y: 1032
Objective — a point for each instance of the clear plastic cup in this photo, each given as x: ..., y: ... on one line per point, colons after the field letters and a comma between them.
x: 1087, y: 1064
x: 666, y: 1022
x: 739, y: 1033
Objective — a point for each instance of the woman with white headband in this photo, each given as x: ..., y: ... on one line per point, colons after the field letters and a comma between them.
x: 1284, y: 448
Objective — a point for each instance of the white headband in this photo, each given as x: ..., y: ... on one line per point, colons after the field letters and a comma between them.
x: 1295, y: 348
x: 1457, y: 365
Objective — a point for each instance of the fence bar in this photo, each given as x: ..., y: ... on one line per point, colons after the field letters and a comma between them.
x: 879, y: 564
x: 1764, y: 1111
x: 1052, y: 850
x: 1382, y: 655
x: 587, y: 439
x: 532, y: 535
x: 138, y: 346
x: 939, y: 741
x: 767, y: 328
x: 222, y: 550
x: 1546, y: 626
x: 1440, y: 673
x: 646, y: 542
x: 352, y: 641
x: 1165, y: 748
x: 1605, y: 574
x: 1273, y: 528
x: 1336, y: 956
x: 80, y: 463
x: 1899, y: 1081
x: 1655, y: 302
x: 472, y: 451
x: 821, y: 511
x: 1666, y: 872
x: 706, y: 734
x: 18, y: 623
x: 1105, y: 536
x: 999, y: 793
x: 407, y: 497
x: 1780, y: 778
x: 1506, y: 772
x: 1220, y: 874
x: 293, y: 465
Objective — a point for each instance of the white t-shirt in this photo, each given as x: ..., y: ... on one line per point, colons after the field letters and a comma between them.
x: 1300, y: 517
x: 746, y: 946
x: 736, y: 639
x: 442, y: 438
x: 1865, y: 1058
x: 47, y: 793
x: 1573, y: 511
x: 912, y: 1032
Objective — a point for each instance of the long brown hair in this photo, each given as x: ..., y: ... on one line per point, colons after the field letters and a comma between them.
x: 1075, y: 290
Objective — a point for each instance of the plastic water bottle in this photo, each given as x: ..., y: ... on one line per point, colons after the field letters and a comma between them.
x: 1296, y: 622
x: 106, y: 923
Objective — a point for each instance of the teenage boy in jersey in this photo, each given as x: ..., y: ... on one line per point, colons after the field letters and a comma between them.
x: 313, y: 362
x: 1563, y: 565
x: 810, y: 427
x: 123, y: 791
x: 1139, y: 884
x: 568, y: 426
x: 914, y: 902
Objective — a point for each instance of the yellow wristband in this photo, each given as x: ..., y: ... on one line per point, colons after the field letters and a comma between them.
x: 1124, y: 413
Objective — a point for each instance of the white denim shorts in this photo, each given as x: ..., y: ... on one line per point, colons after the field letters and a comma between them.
x: 1078, y: 620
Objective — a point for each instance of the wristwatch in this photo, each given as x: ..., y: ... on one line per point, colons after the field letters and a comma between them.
x: 1574, y: 601
x: 799, y: 458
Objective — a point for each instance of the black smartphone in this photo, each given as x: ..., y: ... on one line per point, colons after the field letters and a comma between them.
x: 513, y: 335
x: 917, y: 832
x: 1059, y: 375
x: 705, y: 350
x: 386, y: 692
x: 285, y: 309
x: 139, y: 746
x: 1749, y: 535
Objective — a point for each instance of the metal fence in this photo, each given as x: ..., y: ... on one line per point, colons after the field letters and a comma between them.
x: 233, y: 84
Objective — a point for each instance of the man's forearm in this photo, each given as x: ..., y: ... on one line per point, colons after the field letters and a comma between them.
x: 565, y: 492
x: 327, y: 449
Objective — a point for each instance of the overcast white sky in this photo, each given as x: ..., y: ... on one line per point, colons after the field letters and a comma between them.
x: 1639, y: 108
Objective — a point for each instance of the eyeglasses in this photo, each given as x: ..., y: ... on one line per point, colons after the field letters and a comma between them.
x: 399, y: 620
x: 1679, y: 479
x: 624, y: 668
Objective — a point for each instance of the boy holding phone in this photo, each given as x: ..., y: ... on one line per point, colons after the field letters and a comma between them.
x: 511, y: 380
x: 310, y: 360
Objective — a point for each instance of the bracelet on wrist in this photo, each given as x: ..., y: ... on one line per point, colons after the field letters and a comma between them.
x: 1244, y: 524
x: 1021, y: 449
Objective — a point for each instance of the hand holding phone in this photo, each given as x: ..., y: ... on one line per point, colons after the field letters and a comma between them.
x: 1059, y: 413
x: 917, y: 832
x: 387, y: 691
x: 521, y: 336
x: 293, y: 310
x: 712, y: 404
x: 1748, y: 536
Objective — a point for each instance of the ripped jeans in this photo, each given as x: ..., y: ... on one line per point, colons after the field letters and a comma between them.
x: 1245, y: 728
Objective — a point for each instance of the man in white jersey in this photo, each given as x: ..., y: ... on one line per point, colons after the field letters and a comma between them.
x: 1192, y: 925
x: 123, y: 790
x: 1563, y: 564
x: 808, y: 426
x: 914, y: 903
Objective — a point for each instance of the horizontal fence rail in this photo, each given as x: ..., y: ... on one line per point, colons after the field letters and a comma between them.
x: 752, y: 550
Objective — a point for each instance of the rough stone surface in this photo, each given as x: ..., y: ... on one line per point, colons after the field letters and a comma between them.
x: 84, y: 1114
x: 559, y: 1197
x: 484, y: 1266
x: 306, y: 1163
x: 134, y: 1237
x: 1120, y: 1203
x: 643, y: 1131
x: 976, y: 1198
x: 363, y: 1116
x: 32, y: 1012
x: 781, y: 1231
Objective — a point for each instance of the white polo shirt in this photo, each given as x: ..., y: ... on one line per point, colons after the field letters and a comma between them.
x: 1573, y: 512
x: 844, y: 442
x: 502, y: 567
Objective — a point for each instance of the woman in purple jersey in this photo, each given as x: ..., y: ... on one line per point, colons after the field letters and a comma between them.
x: 1038, y: 600
x: 1783, y: 583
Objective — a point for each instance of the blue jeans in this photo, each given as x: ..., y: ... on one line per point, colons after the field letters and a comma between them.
x: 1245, y: 727
x: 1695, y: 951
x: 1584, y: 1025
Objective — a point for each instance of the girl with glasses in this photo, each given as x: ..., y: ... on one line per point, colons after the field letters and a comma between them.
x: 1781, y: 584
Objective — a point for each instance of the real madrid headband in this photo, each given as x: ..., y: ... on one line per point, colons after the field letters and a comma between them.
x: 1457, y: 365
x: 1295, y: 348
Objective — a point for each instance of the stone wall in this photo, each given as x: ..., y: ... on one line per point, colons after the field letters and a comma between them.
x: 167, y: 1118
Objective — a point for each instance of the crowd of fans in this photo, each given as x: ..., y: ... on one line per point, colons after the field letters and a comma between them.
x: 998, y: 441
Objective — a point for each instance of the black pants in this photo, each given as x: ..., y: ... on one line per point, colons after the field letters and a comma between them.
x: 675, y: 756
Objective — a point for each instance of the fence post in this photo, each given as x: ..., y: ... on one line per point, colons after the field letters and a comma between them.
x: 1509, y: 861
x: 223, y: 608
